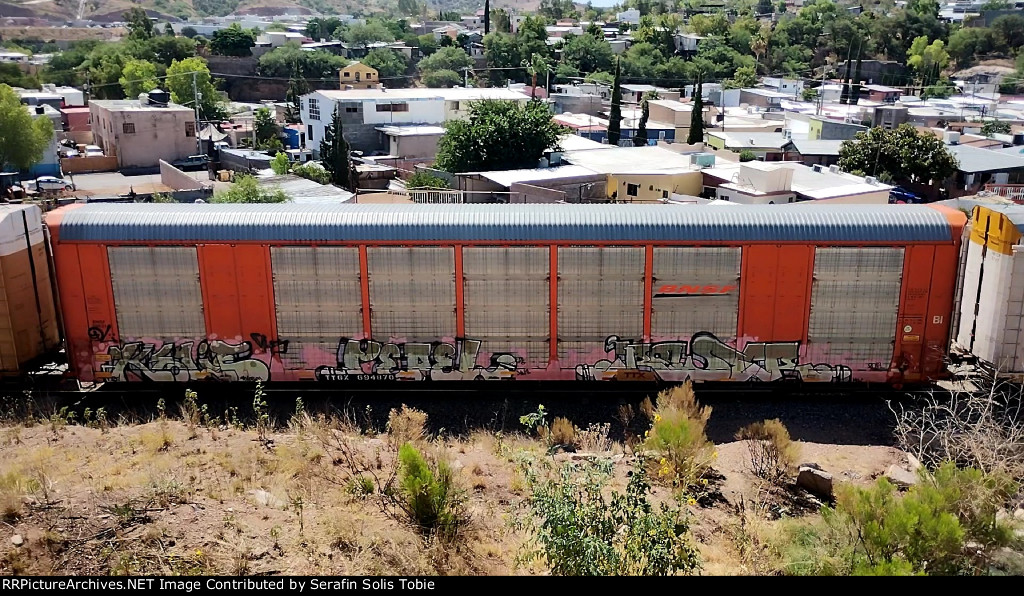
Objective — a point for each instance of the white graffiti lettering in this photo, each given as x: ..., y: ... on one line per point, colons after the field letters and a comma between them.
x: 185, y: 361
x: 371, y: 360
x: 705, y: 357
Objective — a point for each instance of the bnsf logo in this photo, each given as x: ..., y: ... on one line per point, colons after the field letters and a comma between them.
x: 676, y: 290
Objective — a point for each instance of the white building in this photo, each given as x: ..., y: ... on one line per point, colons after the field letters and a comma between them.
x: 760, y: 183
x: 13, y: 57
x: 631, y: 16
x: 363, y: 111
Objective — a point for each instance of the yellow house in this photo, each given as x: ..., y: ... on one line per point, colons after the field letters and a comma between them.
x: 654, y: 186
x: 359, y: 76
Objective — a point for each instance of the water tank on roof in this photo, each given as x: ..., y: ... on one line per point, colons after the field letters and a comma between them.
x: 159, y: 97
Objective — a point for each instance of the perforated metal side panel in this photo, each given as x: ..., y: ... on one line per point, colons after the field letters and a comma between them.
x: 600, y: 293
x: 319, y: 301
x: 412, y: 293
x: 855, y: 301
x: 695, y: 289
x: 507, y: 300
x: 157, y: 293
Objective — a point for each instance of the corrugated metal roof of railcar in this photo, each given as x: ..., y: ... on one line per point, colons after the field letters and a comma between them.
x: 534, y: 222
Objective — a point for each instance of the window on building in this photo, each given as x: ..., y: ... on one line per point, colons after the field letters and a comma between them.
x: 664, y: 194
x: 357, y: 76
x: 309, y: 131
x: 190, y: 129
x: 347, y: 75
x: 128, y: 128
x: 351, y: 109
x: 632, y: 189
x: 369, y: 75
x: 314, y: 109
x: 392, y: 107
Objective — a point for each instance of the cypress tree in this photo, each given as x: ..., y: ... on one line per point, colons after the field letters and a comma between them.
x: 844, y: 97
x: 855, y: 93
x: 487, y: 16
x: 334, y: 154
x: 697, y: 115
x: 640, y: 139
x: 615, y: 118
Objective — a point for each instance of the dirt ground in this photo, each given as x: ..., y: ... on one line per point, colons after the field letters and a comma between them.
x: 163, y: 498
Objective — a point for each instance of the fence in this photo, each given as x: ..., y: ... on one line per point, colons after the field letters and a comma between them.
x: 1014, y: 192
x: 83, y: 165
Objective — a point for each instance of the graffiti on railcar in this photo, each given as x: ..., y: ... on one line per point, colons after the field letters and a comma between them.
x: 705, y: 356
x: 372, y: 360
x: 182, y: 361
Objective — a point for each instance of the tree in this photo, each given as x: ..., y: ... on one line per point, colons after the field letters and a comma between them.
x: 232, y: 41
x: 22, y: 138
x: 902, y: 155
x: 168, y: 49
x: 264, y: 127
x: 995, y: 127
x: 424, y: 179
x: 138, y: 24
x: 291, y: 58
x: 1009, y: 31
x: 280, y: 164
x: 565, y: 73
x: 601, y: 78
x: 297, y: 87
x: 181, y: 74
x: 371, y: 32
x: 615, y: 117
x: 765, y: 7
x: 587, y: 53
x: 968, y: 42
x: 927, y: 59
x: 498, y: 135
x: 454, y: 59
x: 537, y: 65
x: 408, y: 7
x: 427, y: 44
x: 487, y: 16
x: 501, y: 51
x: 334, y: 153
x: 855, y: 92
x: 168, y: 30
x: 247, y: 190
x: 640, y: 138
x: 319, y: 28
x: 696, y: 134
x: 437, y: 79
x: 707, y: 25
x: 390, y: 65
x: 557, y: 9
x: 744, y: 78
x: 138, y: 76
x: 189, y: 31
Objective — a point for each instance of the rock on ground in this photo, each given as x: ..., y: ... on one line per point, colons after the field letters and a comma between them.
x: 901, y: 477
x: 815, y: 480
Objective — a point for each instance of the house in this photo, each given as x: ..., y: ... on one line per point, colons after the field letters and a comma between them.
x: 878, y: 72
x: 881, y: 93
x: 561, y: 183
x: 141, y: 132
x: 77, y: 124
x: 679, y: 114
x: 363, y: 110
x: 640, y: 174
x: 687, y: 44
x: 358, y: 76
x: 633, y: 93
x: 415, y: 142
x: 766, y: 146
x: 764, y: 98
x: 757, y: 183
x: 823, y: 152
x: 889, y: 117
x: 790, y: 87
x: 832, y: 130
x: 979, y: 167
x: 277, y: 39
x: 16, y: 57
x: 596, y: 128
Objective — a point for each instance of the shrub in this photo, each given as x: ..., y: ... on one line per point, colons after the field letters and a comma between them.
x: 429, y: 495
x: 677, y: 436
x: 407, y: 425
x: 747, y: 155
x: 423, y: 179
x: 280, y: 164
x: 314, y: 172
x: 772, y: 453
x: 874, y: 531
x: 562, y: 433
x: 580, y: 532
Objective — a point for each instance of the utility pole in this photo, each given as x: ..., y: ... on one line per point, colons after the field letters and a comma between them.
x: 195, y: 94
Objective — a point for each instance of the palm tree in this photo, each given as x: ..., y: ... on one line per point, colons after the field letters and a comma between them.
x: 537, y: 64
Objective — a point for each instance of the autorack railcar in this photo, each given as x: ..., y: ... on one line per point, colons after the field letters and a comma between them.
x: 806, y: 293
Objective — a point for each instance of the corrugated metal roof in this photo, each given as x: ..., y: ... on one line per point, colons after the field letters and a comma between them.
x: 600, y: 223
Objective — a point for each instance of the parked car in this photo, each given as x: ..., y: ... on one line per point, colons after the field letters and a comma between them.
x: 44, y: 183
x: 93, y: 151
x: 899, y: 196
x: 192, y: 162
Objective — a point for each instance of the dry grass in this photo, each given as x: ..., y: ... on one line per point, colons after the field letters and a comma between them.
x: 406, y: 425
x: 562, y: 432
x: 772, y: 453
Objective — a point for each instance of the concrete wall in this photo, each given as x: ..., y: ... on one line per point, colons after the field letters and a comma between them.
x: 527, y: 193
x: 577, y: 104
x: 83, y: 165
x: 652, y: 187
x: 420, y: 146
x: 176, y: 179
x: 159, y: 134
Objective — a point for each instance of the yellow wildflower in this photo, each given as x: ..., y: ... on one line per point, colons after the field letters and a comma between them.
x: 691, y: 501
x: 657, y: 418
